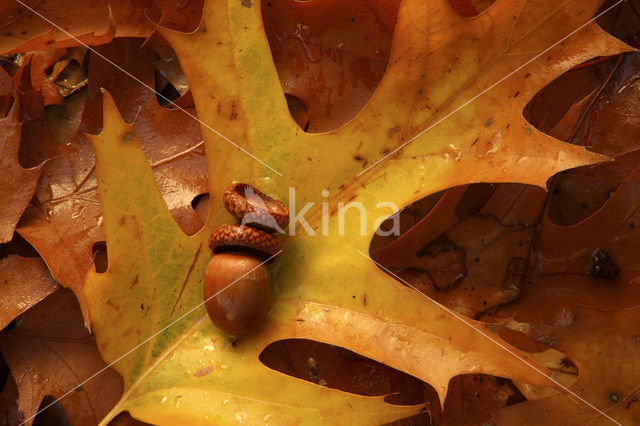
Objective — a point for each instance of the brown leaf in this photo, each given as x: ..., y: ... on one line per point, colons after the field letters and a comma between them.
x: 473, y: 398
x: 605, y: 348
x: 563, y: 258
x: 93, y: 23
x: 24, y: 283
x: 181, y: 15
x: 67, y: 222
x: 613, y: 127
x: 50, y: 352
x: 488, y: 249
x: 37, y: 143
x: 331, y: 54
x: 9, y: 415
x: 17, y: 184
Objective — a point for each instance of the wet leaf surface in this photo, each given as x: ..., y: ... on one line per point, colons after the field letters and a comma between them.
x: 25, y: 282
x: 372, y: 308
x: 66, y: 222
x: 537, y: 270
x: 17, y: 184
x: 50, y: 352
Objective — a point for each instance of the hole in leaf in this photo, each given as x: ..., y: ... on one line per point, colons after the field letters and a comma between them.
x: 200, y: 204
x: 330, y: 54
x: 299, y: 111
x: 167, y: 94
x: 342, y: 369
x: 561, y: 105
x: 100, y: 258
x: 170, y: 80
x: 53, y: 415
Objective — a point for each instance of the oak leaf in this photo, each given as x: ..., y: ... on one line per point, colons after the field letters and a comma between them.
x: 50, y: 352
x: 39, y: 25
x: 592, y: 342
x: 325, y: 290
x: 66, y: 223
x: 17, y: 184
x: 24, y: 283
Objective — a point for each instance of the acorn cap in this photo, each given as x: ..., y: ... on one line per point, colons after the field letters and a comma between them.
x: 252, y: 207
x: 234, y: 236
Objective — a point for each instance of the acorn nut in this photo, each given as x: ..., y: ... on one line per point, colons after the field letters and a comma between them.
x: 237, y: 292
x: 236, y: 284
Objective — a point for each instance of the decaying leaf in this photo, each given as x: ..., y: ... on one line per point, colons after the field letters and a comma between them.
x: 66, y: 223
x: 592, y: 342
x: 50, y: 352
x: 24, y: 283
x: 615, y: 129
x: 25, y: 28
x: 17, y: 184
x: 563, y: 257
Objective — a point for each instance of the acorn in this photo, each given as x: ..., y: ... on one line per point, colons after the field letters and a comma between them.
x: 236, y: 292
x: 236, y: 284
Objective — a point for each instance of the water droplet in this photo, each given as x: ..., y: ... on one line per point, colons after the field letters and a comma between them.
x: 164, y: 399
